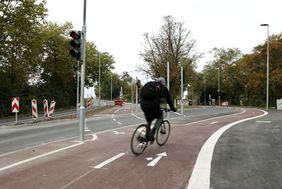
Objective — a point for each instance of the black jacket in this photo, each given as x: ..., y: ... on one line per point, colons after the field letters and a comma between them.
x: 161, y: 92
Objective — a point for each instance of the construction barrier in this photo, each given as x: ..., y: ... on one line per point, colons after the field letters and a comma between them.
x: 45, y: 106
x: 34, y: 109
x: 89, y: 101
x: 52, y: 108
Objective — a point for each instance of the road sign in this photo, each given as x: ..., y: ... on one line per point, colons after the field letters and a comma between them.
x: 15, y: 104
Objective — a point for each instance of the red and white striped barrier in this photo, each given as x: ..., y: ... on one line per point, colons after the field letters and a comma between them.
x: 88, y: 104
x: 15, y: 104
x: 45, y: 106
x: 16, y: 107
x: 34, y: 108
x: 52, y: 108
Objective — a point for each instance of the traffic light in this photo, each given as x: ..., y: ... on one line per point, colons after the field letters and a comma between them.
x: 75, y: 44
x: 138, y: 83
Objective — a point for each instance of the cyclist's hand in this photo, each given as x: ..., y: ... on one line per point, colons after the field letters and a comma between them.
x: 173, y: 109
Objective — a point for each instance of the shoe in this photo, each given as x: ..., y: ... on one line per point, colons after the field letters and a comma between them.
x: 150, y: 136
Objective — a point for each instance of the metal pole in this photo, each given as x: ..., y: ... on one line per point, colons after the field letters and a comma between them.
x: 181, y: 91
x: 218, y: 88
x: 205, y: 91
x: 77, y: 92
x: 111, y: 87
x: 267, y: 68
x: 99, y: 81
x: 132, y: 93
x: 167, y: 73
x: 83, y: 53
x: 267, y: 71
x: 136, y: 96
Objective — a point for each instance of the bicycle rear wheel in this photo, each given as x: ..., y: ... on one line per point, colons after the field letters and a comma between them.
x: 163, y: 133
x: 138, y: 140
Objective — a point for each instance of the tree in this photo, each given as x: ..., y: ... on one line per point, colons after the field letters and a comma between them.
x: 225, y: 60
x: 20, y: 22
x: 172, y: 44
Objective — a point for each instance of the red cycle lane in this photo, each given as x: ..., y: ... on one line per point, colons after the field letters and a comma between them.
x: 108, y: 163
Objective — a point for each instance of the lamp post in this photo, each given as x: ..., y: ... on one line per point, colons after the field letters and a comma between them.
x: 218, y: 87
x: 181, y: 101
x: 99, y: 91
x: 267, y: 66
x: 111, y: 87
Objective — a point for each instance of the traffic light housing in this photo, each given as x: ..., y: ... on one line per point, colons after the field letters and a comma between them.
x: 75, y: 44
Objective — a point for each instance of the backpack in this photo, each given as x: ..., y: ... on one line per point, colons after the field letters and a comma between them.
x: 150, y: 90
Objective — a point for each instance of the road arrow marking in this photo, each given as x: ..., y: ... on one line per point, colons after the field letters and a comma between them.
x: 155, y: 161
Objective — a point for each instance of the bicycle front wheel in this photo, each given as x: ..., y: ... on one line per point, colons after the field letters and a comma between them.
x: 138, y: 140
x: 163, y: 133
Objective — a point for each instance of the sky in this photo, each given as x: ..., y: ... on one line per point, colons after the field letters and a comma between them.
x: 117, y: 26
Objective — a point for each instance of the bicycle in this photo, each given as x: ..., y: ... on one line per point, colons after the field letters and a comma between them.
x: 138, y: 140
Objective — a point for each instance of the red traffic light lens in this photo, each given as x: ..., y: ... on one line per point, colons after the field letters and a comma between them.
x: 75, y: 35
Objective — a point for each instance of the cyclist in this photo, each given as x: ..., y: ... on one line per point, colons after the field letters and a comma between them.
x: 152, y: 94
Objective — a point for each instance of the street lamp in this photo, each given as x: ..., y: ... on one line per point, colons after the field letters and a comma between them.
x: 267, y: 67
x: 111, y: 87
x: 218, y: 87
x: 99, y: 91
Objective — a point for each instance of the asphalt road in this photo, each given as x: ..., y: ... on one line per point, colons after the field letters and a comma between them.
x: 210, y: 147
x: 27, y: 135
x: 250, y: 155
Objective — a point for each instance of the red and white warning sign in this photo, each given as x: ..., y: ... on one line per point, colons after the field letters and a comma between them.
x: 34, y: 108
x: 45, y: 106
x: 15, y: 104
x: 52, y: 108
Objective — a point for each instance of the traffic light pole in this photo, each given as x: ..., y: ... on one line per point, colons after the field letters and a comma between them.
x: 83, y: 53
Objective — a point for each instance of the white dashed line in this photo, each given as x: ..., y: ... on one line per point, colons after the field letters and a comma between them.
x: 108, y: 161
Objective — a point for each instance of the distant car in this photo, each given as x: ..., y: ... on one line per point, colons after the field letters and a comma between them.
x: 118, y: 102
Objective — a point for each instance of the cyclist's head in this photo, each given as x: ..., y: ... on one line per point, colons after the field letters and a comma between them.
x: 161, y: 80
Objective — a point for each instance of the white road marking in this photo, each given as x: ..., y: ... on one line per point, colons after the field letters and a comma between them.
x: 119, y: 123
x: 214, y: 122
x: 177, y: 113
x: 214, y: 118
x: 114, y: 119
x: 137, y: 116
x: 37, y: 157
x: 94, y: 137
x: 108, y: 161
x: 149, y: 158
x: 157, y: 159
x: 119, y: 133
x: 200, y: 177
x: 263, y: 121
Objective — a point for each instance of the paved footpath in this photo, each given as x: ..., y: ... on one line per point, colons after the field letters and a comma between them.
x: 105, y: 161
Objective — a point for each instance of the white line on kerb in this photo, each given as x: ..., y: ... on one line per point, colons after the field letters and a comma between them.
x: 37, y: 157
x: 108, y: 161
x: 200, y: 177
